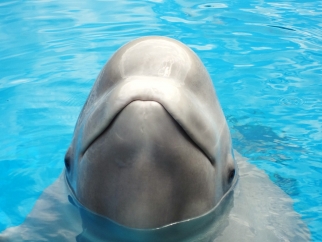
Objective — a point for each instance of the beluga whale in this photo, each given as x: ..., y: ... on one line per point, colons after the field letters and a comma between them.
x: 151, y: 146
x: 151, y: 159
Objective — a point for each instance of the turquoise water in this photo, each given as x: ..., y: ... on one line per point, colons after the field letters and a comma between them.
x: 264, y: 58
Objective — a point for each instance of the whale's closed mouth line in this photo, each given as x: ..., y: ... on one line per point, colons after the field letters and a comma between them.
x: 190, y: 115
x: 187, y: 136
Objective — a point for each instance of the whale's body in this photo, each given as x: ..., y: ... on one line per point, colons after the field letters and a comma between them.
x: 151, y: 160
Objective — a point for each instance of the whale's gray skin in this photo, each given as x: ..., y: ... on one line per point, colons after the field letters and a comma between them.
x: 257, y: 211
x: 151, y: 146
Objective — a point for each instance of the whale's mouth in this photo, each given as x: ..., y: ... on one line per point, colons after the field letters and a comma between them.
x: 144, y: 128
x: 203, y: 129
x: 145, y: 124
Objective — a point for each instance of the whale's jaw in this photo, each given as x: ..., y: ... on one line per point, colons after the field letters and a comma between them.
x: 148, y: 172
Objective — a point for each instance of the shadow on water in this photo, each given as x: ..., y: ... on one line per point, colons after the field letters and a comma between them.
x: 281, y: 27
x: 261, y: 143
x: 289, y: 185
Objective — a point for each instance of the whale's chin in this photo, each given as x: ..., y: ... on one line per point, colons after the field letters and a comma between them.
x: 144, y: 167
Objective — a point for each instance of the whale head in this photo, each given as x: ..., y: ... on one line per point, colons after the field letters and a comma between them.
x: 151, y: 146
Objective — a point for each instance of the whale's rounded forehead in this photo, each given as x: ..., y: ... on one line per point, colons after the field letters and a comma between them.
x: 157, y: 56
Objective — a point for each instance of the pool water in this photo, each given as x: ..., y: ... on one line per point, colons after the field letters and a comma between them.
x: 264, y: 57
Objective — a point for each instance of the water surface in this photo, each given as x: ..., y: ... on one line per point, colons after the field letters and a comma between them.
x: 264, y: 58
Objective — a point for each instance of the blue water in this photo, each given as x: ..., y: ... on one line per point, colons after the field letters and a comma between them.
x: 265, y: 59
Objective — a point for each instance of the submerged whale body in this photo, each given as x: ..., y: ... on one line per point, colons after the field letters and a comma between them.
x: 151, y: 160
x: 257, y: 210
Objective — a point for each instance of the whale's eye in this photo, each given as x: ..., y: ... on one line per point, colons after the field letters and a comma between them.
x: 231, y: 175
x: 67, y: 162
